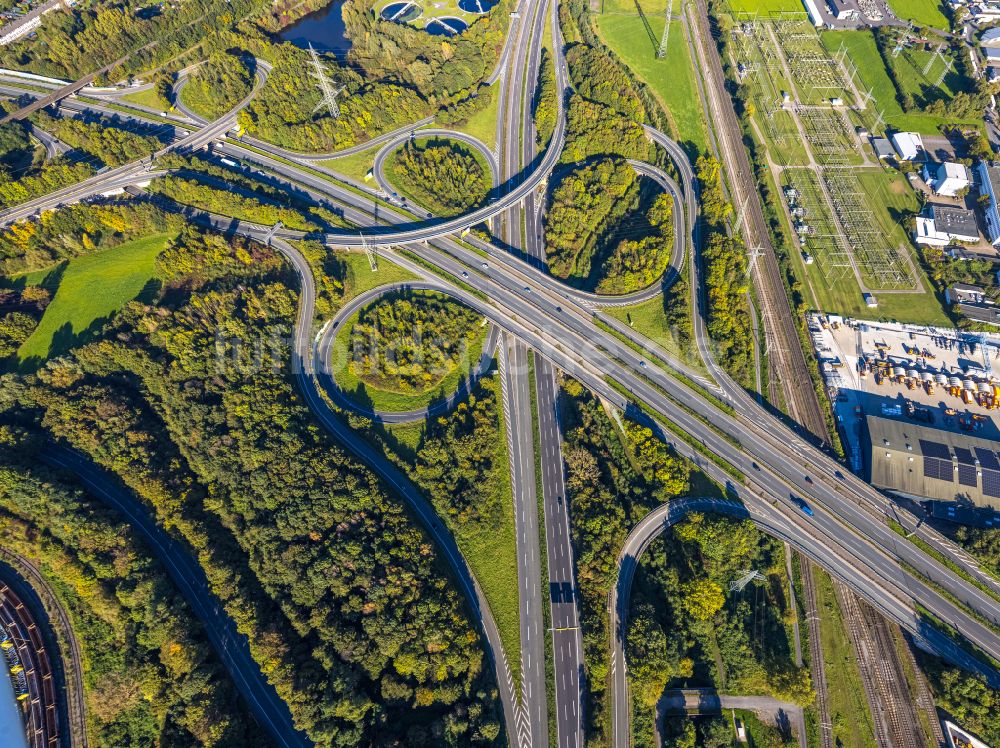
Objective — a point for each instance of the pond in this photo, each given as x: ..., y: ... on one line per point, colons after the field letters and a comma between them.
x: 445, y: 26
x: 324, y: 29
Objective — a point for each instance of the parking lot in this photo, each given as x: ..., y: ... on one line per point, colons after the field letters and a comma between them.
x: 941, y: 377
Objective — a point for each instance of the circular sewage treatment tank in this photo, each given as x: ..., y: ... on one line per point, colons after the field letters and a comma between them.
x: 401, y: 12
x: 477, y: 6
x: 445, y: 26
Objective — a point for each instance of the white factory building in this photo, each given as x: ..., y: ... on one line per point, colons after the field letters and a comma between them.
x: 948, y: 178
x: 909, y: 145
x: 941, y: 225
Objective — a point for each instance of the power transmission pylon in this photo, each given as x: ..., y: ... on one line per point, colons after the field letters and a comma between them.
x: 749, y: 575
x: 947, y: 69
x: 662, y: 51
x: 326, y: 88
x: 371, y: 251
x: 930, y: 62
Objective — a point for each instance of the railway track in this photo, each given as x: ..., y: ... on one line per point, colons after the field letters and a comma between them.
x: 893, y: 715
x: 785, y: 348
x: 72, y: 659
x: 816, y: 653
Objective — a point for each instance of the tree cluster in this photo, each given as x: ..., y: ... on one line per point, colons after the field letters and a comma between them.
x: 966, y: 696
x: 408, y: 342
x: 246, y: 206
x: 441, y: 175
x: 931, y: 99
x: 76, y: 41
x: 438, y: 68
x: 284, y: 110
x: 21, y: 309
x: 191, y: 402
x: 69, y: 232
x: 110, y: 143
x: 598, y: 76
x: 584, y: 205
x: 52, y: 176
x: 256, y: 186
x: 636, y: 263
x: 593, y: 129
x: 456, y: 455
x: 546, y: 103
x: 726, y: 278
x: 681, y: 616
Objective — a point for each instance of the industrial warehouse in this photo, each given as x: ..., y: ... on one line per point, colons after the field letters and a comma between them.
x: 917, y: 409
x: 925, y: 462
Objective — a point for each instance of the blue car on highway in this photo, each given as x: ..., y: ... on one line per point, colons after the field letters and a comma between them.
x: 801, y: 504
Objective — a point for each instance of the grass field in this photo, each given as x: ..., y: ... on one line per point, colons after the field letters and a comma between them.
x: 491, y: 550
x: 860, y: 48
x: 92, y: 287
x: 361, y: 277
x: 380, y: 399
x: 672, y: 79
x: 483, y: 125
x: 355, y: 166
x: 910, y: 65
x: 852, y: 722
x: 922, y: 12
x: 648, y: 319
x: 149, y: 98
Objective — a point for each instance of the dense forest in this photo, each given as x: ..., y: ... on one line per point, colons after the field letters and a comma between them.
x: 341, y: 595
x: 441, y: 175
x: 613, y: 479
x: 150, y: 678
x: 410, y: 341
x: 218, y: 85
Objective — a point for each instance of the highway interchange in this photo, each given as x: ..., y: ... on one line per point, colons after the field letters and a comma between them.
x: 766, y: 462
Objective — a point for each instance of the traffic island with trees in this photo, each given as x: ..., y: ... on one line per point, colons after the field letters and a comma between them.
x: 188, y: 398
x: 407, y: 349
x: 607, y: 230
x: 218, y: 85
x: 441, y: 175
x: 687, y: 629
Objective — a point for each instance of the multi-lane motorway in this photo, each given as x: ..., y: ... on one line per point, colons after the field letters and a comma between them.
x: 769, y: 462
